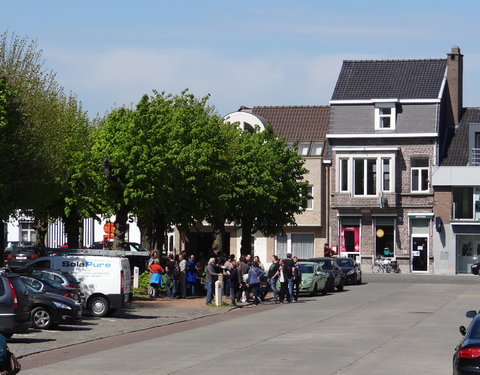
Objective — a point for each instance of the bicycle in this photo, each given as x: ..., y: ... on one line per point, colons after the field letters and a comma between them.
x: 384, y: 265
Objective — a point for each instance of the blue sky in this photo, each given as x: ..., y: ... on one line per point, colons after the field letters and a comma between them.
x: 110, y: 53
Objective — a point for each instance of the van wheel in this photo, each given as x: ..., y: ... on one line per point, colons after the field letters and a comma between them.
x: 42, y: 318
x: 98, y: 306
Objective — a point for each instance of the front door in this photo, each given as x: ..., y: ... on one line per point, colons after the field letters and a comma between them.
x: 419, y: 254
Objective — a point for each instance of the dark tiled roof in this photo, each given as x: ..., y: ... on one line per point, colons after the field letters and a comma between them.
x: 297, y: 123
x: 457, y: 153
x: 402, y: 79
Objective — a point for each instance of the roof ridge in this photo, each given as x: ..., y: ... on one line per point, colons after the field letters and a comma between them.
x: 291, y: 106
x: 399, y: 60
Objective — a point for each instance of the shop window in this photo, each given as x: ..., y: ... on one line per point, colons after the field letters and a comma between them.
x: 350, y: 235
x: 385, y: 237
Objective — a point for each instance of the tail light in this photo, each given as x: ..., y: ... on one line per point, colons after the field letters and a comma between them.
x: 9, y: 257
x: 121, y: 282
x: 14, y: 295
x: 469, y: 353
x: 68, y: 295
x: 33, y: 256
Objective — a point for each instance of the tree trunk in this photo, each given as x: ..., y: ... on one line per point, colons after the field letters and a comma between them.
x: 159, y: 233
x: 41, y: 228
x: 121, y: 226
x: 147, y: 239
x: 246, y: 242
x: 218, y: 235
x: 72, y: 229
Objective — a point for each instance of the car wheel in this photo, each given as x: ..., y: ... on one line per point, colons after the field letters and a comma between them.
x: 315, y: 291
x: 355, y: 280
x: 331, y: 285
x: 340, y: 286
x: 360, y: 280
x: 7, y: 334
x: 42, y: 318
x: 98, y: 306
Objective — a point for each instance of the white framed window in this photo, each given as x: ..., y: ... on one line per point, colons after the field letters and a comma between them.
x: 317, y: 148
x: 310, y: 200
x: 344, y: 175
x: 303, y: 148
x: 298, y: 244
x: 419, y: 175
x: 385, y: 116
x: 365, y: 175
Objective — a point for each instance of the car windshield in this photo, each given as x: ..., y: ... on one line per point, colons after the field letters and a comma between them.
x: 326, y: 264
x: 306, y: 268
x: 346, y: 262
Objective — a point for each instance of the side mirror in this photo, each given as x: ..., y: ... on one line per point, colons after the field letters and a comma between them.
x: 462, y: 330
x: 471, y: 314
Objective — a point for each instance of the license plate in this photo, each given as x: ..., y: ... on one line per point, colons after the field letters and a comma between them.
x: 21, y: 258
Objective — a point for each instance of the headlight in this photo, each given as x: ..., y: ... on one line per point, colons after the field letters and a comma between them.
x: 308, y: 280
x: 351, y: 272
x: 61, y: 305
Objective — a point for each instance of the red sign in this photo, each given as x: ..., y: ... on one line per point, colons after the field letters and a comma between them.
x: 109, y: 227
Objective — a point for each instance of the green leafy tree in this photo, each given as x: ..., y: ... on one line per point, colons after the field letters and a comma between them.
x: 165, y: 162
x: 269, y: 187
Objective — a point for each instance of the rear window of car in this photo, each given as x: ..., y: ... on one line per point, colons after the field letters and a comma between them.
x: 72, y: 279
x: 41, y: 264
x: 326, y: 264
x: 52, y: 283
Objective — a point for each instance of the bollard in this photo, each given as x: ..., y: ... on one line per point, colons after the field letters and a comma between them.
x: 218, y: 291
x: 135, y: 277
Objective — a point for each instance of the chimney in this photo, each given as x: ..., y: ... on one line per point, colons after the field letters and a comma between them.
x: 455, y: 82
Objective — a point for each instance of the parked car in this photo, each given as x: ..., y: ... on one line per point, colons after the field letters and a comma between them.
x: 44, y: 285
x: 466, y: 359
x: 49, y: 310
x: 17, y: 257
x: 65, y: 279
x: 15, y: 305
x: 351, y: 270
x: 335, y: 273
x: 314, y: 280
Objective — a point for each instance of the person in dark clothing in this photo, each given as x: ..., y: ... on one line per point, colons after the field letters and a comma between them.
x: 289, y: 264
x: 170, y: 283
x: 283, y: 278
x: 242, y: 270
x: 297, y: 278
x: 272, y: 277
x: 233, y: 282
x: 255, y: 273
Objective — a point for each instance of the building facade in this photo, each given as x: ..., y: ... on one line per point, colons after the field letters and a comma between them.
x: 389, y: 125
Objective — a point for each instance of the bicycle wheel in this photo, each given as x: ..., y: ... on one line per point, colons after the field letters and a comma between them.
x: 376, y: 268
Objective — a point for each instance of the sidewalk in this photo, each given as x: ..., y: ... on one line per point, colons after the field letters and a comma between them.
x: 142, y: 314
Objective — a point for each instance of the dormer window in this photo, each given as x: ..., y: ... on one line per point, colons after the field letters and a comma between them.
x: 385, y: 116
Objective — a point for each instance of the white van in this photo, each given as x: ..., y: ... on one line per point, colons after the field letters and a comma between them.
x: 106, y: 281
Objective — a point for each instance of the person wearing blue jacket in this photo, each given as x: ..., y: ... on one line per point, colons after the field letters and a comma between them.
x: 253, y: 282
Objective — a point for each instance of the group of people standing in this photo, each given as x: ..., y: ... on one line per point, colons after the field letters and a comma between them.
x: 241, y: 278
x: 181, y: 275
x: 244, y: 276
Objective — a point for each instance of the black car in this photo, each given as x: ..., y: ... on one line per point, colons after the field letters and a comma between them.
x: 351, y: 270
x: 335, y: 273
x: 65, y: 279
x: 15, y: 305
x: 49, y: 310
x: 466, y: 359
x: 42, y: 284
x: 17, y: 257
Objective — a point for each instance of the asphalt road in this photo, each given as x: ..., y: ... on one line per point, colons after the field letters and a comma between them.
x: 393, y: 324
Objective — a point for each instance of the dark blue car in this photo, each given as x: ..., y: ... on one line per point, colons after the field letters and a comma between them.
x: 466, y: 359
